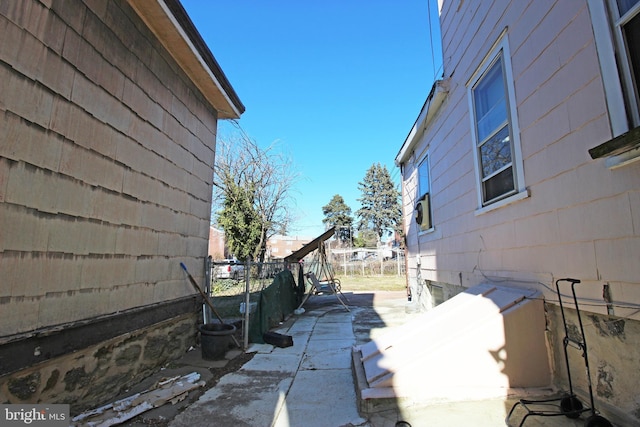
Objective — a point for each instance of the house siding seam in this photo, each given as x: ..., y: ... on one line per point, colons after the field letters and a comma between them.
x: 102, y: 178
x: 580, y: 219
x: 106, y: 161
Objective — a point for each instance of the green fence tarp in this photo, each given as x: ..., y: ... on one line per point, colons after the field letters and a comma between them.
x: 277, y: 301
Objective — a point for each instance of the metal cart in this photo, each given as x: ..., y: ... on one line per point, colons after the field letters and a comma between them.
x: 568, y: 405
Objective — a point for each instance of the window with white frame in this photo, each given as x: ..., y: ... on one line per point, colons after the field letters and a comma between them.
x: 616, y: 26
x: 495, y: 132
x: 625, y: 17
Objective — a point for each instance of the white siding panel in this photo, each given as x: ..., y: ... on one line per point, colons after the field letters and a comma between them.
x: 585, y: 106
x: 533, y: 13
x: 547, y: 129
x: 500, y: 236
x: 634, y: 202
x: 531, y: 73
x: 592, y: 182
x: 537, y: 230
x: 582, y: 219
x: 592, y: 221
x: 621, y: 259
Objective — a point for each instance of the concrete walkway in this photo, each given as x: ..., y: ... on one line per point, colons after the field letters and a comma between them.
x: 311, y: 383
x: 307, y: 384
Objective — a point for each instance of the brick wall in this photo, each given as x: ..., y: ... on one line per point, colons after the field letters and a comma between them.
x: 280, y: 247
x: 216, y: 244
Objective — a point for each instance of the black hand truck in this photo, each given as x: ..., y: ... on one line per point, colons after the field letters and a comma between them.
x: 568, y: 405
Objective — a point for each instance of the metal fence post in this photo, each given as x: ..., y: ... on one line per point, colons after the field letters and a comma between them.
x: 206, y: 311
x: 344, y: 259
x: 247, y: 303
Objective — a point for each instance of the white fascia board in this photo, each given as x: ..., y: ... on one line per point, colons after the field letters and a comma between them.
x: 195, y: 53
x: 160, y: 20
x: 432, y: 105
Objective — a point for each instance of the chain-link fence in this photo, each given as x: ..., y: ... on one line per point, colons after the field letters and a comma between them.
x: 236, y: 286
x: 230, y: 287
x: 367, y: 262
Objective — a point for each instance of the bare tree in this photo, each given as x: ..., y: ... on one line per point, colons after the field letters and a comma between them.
x: 253, y: 184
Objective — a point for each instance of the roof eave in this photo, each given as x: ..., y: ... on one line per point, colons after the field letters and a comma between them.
x: 170, y: 23
x: 432, y: 105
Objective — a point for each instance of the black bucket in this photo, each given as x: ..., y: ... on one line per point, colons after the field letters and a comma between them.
x: 215, y: 340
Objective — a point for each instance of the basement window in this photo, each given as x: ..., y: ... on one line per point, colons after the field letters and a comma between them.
x: 437, y: 294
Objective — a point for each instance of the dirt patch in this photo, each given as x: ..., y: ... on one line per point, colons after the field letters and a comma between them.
x: 162, y: 416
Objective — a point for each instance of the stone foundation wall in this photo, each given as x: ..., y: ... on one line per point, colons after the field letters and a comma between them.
x: 107, y: 146
x: 613, y: 348
x: 94, y: 375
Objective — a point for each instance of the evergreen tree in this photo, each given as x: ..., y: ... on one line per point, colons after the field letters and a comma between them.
x: 240, y: 221
x: 338, y: 214
x: 380, y: 202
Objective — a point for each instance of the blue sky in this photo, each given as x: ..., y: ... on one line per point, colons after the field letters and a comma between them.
x: 337, y: 83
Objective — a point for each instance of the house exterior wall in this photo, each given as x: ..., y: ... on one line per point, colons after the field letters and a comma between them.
x: 576, y: 218
x: 106, y: 160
